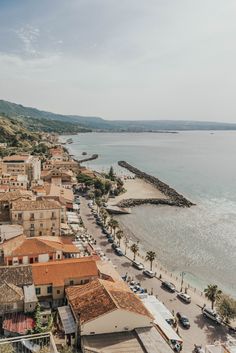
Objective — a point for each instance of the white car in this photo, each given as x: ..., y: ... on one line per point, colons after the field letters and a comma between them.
x: 138, y: 265
x: 148, y: 273
x: 184, y: 297
x: 211, y: 314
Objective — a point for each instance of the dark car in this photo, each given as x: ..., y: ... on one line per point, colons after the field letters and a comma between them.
x: 184, y: 321
x: 169, y: 286
x: 114, y: 246
x: 110, y: 240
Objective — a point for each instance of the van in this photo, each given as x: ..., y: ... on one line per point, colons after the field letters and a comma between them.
x: 211, y: 314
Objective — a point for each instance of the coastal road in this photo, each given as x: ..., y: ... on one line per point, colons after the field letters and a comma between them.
x: 202, y: 331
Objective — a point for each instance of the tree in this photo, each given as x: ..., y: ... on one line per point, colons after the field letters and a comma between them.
x: 134, y: 248
x: 113, y: 224
x: 119, y: 235
x: 6, y: 348
x: 44, y: 349
x: 212, y: 293
x: 66, y: 349
x: 98, y: 202
x: 150, y: 256
x: 111, y: 174
x: 226, y: 307
x: 104, y: 215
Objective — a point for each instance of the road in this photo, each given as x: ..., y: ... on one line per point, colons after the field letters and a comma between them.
x: 202, y: 331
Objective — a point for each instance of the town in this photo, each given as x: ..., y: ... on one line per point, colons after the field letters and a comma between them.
x: 72, y: 281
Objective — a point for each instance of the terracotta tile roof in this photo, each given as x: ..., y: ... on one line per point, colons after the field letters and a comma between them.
x: 35, y: 205
x: 60, y: 192
x: 9, y: 293
x: 18, y: 275
x: 56, y: 272
x: 15, y: 195
x: 18, y: 323
x: 33, y: 246
x: 99, y: 297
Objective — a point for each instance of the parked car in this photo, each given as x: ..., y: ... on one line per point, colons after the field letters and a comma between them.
x: 119, y: 252
x: 169, y: 286
x: 211, y: 314
x: 184, y: 321
x: 114, y: 246
x: 110, y: 240
x: 138, y: 265
x: 184, y: 297
x: 148, y: 273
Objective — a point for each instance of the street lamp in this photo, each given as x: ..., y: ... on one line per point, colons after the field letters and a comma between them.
x: 182, y: 280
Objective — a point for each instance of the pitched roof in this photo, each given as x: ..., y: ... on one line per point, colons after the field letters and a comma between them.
x: 35, y: 205
x: 15, y: 195
x: 18, y: 323
x: 57, y: 191
x: 18, y: 275
x: 35, y: 245
x: 9, y: 293
x: 100, y: 297
x: 17, y: 157
x: 56, y: 272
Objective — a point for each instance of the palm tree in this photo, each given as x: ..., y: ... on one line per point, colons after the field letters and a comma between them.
x: 119, y: 235
x: 150, y: 256
x: 113, y: 224
x: 134, y: 248
x: 98, y: 202
x: 212, y: 293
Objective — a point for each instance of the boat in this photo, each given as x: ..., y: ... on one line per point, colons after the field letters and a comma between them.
x: 84, y: 153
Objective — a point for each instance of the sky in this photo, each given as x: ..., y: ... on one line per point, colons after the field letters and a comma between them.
x: 121, y: 59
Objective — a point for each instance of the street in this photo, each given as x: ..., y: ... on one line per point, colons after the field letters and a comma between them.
x: 202, y: 331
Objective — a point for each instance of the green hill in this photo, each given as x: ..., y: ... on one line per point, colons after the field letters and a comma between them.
x: 38, y: 120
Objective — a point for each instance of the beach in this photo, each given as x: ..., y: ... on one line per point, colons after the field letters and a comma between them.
x: 137, y: 189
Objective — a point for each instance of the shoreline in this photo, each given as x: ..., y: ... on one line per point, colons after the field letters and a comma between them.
x: 174, y: 198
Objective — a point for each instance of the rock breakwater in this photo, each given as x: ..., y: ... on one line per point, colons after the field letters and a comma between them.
x: 174, y: 198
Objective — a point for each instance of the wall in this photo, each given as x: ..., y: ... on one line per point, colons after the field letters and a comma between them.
x: 115, y: 321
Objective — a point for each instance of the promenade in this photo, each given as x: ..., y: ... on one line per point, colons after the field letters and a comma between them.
x: 202, y: 330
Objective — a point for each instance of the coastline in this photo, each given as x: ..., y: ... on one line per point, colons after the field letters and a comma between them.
x: 174, y: 198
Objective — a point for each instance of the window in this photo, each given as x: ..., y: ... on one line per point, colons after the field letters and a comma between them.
x: 41, y: 225
x: 49, y: 290
x: 36, y: 259
x: 71, y: 283
x: 40, y: 233
x: 10, y: 263
x: 53, y: 215
x: 32, y: 216
x: 58, y: 256
x: 58, y: 291
x: 19, y: 216
x: 20, y: 261
x: 38, y: 291
x: 31, y: 260
x: 32, y: 226
x: 50, y: 257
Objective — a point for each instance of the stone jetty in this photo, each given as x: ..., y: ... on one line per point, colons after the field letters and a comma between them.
x: 173, y: 197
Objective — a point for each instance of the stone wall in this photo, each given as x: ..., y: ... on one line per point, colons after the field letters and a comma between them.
x: 174, y: 198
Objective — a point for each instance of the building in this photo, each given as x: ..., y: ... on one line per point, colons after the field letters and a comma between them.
x: 6, y: 200
x: 59, y: 176
x: 218, y: 347
x: 51, y: 279
x: 34, y: 250
x: 60, y: 194
x: 67, y: 165
x: 30, y: 298
x: 11, y: 298
x: 41, y: 217
x: 23, y: 164
x: 9, y: 231
x: 106, y: 307
x: 14, y: 182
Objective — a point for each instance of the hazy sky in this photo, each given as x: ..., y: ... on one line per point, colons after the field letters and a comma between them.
x: 121, y: 59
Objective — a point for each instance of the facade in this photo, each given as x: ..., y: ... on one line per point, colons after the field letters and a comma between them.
x: 59, y: 176
x: 6, y: 200
x: 51, y: 279
x: 113, y: 308
x: 68, y: 165
x: 23, y: 164
x: 41, y: 217
x: 34, y: 250
x: 30, y: 298
x: 14, y: 182
x: 11, y: 298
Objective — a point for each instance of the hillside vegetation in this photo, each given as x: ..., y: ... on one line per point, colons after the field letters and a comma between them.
x: 38, y: 120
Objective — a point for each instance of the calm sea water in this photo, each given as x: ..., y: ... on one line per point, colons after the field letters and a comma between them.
x: 202, y: 165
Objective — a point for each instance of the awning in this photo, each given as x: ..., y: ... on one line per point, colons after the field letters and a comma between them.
x: 67, y: 319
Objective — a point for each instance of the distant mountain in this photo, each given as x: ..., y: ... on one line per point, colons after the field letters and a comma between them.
x: 38, y: 120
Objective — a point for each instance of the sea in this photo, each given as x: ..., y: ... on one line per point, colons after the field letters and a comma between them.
x: 199, y: 241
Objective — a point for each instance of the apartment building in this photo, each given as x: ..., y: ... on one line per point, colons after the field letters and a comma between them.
x: 40, y: 217
x: 23, y: 164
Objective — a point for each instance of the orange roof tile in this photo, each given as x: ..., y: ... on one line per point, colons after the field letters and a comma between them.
x: 35, y: 205
x: 56, y: 272
x: 100, y: 297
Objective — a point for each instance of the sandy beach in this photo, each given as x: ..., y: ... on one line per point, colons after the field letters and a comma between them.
x: 137, y: 189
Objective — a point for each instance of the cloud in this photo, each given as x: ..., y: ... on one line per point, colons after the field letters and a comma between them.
x: 29, y: 36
